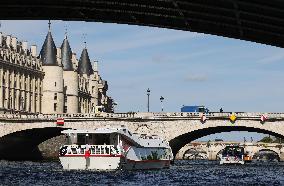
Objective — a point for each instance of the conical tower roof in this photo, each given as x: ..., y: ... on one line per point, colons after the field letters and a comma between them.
x: 48, y: 51
x: 85, y: 66
x: 66, y: 55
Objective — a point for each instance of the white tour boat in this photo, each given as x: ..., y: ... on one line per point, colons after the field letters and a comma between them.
x: 112, y: 149
x: 232, y: 155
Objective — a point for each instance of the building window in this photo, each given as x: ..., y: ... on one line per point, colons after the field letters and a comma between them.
x: 55, y: 96
x: 65, y: 109
x: 55, y: 84
x: 55, y: 106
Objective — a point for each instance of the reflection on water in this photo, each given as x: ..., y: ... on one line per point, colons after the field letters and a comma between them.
x: 181, y: 173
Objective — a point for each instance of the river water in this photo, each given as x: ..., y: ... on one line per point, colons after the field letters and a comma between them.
x: 183, y: 172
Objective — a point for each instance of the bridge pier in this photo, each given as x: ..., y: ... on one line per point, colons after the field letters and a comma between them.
x: 281, y: 156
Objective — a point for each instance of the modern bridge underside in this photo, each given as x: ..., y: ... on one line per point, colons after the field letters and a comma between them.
x: 260, y: 21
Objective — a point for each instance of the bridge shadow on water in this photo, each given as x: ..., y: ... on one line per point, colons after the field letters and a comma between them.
x: 180, y: 141
x: 23, y: 145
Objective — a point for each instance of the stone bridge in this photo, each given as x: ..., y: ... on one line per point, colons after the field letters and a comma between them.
x: 211, y: 150
x: 23, y: 133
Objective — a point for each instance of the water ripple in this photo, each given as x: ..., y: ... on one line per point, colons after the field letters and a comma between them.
x: 181, y: 173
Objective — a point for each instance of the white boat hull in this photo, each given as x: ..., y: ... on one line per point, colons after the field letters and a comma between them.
x: 109, y: 163
x: 141, y: 165
x: 231, y: 161
x: 90, y: 163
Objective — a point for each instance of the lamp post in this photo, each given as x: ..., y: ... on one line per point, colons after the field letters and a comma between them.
x: 148, y: 94
x: 162, y: 99
x: 114, y: 104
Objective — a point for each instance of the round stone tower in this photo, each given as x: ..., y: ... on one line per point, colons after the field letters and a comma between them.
x: 71, y: 80
x: 52, y: 89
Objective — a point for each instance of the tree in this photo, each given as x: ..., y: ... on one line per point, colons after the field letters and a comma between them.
x: 266, y: 139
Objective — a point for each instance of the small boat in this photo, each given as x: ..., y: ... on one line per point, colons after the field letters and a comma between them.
x: 113, y: 149
x: 247, y: 157
x: 232, y: 155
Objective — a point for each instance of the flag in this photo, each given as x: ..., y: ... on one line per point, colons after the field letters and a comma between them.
x: 203, y: 118
x: 60, y: 121
x: 263, y: 118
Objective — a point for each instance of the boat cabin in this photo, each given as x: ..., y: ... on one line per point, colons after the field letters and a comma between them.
x: 233, y: 151
x: 91, y: 137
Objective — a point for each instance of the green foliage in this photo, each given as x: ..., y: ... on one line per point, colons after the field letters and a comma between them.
x: 278, y: 140
x: 266, y: 139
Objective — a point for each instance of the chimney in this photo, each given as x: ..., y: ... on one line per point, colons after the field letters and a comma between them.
x: 1, y: 39
x: 58, y: 56
x: 74, y: 60
x: 14, y: 43
x: 58, y: 51
x: 74, y: 56
x: 8, y: 40
x: 33, y: 50
x: 95, y: 66
x: 25, y: 46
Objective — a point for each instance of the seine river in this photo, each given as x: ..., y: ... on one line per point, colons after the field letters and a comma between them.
x: 181, y: 173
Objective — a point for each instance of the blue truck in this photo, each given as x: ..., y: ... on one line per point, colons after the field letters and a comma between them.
x: 193, y: 109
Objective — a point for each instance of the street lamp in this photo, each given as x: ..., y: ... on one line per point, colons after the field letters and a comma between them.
x: 114, y: 104
x: 148, y: 94
x: 162, y: 99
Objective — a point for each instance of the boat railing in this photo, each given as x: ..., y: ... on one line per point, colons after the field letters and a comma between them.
x: 92, y: 149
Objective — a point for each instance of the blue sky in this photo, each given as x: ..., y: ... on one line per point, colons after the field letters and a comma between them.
x: 185, y: 68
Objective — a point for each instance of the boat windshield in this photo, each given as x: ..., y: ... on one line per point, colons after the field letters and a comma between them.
x: 233, y: 151
x: 92, y: 139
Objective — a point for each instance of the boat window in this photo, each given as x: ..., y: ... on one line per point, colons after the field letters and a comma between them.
x: 233, y: 151
x: 68, y: 140
x: 101, y: 139
x: 81, y: 139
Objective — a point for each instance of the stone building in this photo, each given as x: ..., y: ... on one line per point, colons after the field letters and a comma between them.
x: 52, y: 82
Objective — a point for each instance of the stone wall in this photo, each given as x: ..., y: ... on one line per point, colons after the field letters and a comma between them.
x: 50, y: 148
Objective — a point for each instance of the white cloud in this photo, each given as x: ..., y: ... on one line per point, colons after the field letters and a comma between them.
x: 196, y: 78
x: 272, y: 58
x: 140, y: 39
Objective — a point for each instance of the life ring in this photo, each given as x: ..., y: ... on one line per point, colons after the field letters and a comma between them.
x: 62, y: 151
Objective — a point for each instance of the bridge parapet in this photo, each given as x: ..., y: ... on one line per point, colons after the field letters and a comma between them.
x: 146, y: 116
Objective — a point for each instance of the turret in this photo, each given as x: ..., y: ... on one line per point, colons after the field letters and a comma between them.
x: 71, y: 80
x: 85, y: 66
x: 86, y: 72
x: 52, y: 90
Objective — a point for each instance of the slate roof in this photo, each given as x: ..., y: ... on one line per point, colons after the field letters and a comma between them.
x: 48, y: 51
x: 66, y: 56
x: 85, y: 66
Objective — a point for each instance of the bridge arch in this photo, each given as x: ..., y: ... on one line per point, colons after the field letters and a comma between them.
x: 278, y: 155
x: 179, y: 141
x: 23, y: 145
x: 195, y: 153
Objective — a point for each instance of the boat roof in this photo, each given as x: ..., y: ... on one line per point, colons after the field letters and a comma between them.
x: 92, y: 131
